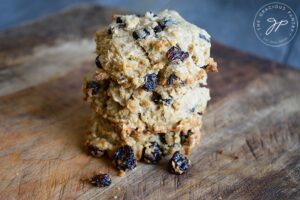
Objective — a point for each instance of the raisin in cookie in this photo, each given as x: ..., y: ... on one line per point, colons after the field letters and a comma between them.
x: 104, y: 136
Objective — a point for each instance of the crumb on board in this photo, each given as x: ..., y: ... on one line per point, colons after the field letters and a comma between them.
x: 121, y: 173
x: 220, y: 151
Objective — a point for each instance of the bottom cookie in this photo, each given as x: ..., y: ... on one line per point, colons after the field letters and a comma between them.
x: 149, y: 147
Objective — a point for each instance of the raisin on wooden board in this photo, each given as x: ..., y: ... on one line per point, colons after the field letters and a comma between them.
x: 178, y: 164
x: 100, y: 180
x: 124, y: 158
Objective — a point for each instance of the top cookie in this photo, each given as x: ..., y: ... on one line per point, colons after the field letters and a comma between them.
x: 137, y: 49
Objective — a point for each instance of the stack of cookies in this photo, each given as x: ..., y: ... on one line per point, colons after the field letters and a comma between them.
x: 148, y: 93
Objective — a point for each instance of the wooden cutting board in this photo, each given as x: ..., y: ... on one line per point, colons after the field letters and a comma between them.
x: 250, y: 148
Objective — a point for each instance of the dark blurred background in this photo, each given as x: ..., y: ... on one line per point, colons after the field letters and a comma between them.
x: 228, y: 21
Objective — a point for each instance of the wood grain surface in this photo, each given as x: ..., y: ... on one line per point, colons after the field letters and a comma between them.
x: 251, y: 143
